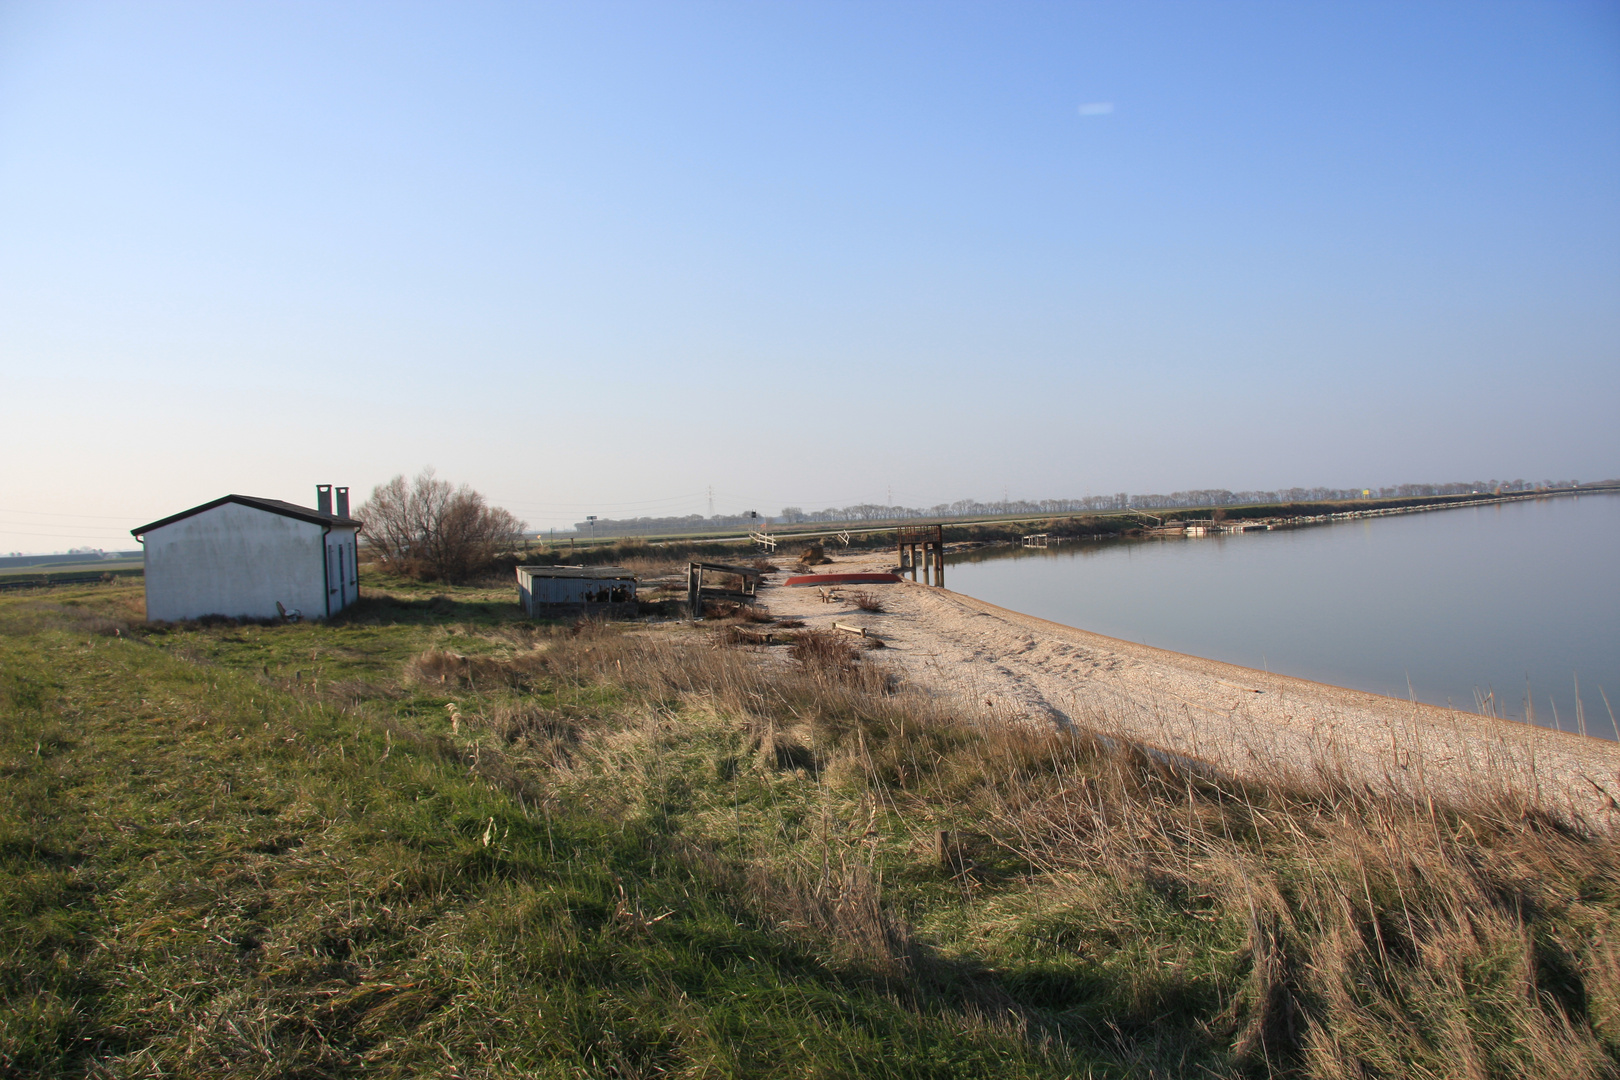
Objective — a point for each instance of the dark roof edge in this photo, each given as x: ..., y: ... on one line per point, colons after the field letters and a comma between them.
x: 549, y: 570
x: 271, y: 506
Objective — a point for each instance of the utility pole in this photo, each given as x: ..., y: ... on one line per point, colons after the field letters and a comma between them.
x: 711, y: 500
x: 592, y: 519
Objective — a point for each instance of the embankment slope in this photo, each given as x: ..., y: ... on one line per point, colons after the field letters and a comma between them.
x: 1250, y: 723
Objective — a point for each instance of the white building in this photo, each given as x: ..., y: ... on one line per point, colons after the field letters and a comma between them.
x: 240, y: 556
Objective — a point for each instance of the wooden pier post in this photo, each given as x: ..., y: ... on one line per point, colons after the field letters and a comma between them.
x: 928, y: 542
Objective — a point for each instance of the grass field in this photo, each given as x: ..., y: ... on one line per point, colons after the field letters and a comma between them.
x: 432, y: 839
x: 72, y: 568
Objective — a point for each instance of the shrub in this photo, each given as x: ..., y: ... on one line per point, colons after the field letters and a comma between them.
x: 824, y: 652
x: 866, y: 600
x: 442, y: 668
x: 429, y: 530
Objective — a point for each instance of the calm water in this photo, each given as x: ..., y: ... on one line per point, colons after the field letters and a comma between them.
x: 1455, y: 604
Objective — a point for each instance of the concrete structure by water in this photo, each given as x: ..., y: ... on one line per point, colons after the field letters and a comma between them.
x: 242, y: 556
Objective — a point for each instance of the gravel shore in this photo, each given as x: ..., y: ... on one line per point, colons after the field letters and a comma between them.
x: 1003, y: 664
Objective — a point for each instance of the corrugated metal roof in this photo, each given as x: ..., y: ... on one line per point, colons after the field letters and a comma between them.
x: 269, y: 506
x: 614, y: 572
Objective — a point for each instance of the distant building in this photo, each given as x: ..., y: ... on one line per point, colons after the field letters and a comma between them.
x: 241, y: 556
x: 558, y: 590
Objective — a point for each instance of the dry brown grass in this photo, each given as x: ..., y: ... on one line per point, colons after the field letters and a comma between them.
x: 866, y: 600
x: 813, y: 555
x: 826, y: 654
x: 654, y: 565
x: 1368, y: 934
x: 1380, y: 935
x: 114, y: 616
x: 444, y: 668
x: 339, y: 862
x: 213, y: 868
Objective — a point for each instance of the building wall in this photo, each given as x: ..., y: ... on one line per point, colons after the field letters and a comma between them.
x: 342, y: 571
x: 234, y: 560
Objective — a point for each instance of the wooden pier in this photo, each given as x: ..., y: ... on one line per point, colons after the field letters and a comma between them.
x: 930, y: 541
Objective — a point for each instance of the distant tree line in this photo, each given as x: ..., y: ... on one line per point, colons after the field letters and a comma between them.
x: 866, y: 513
x: 863, y: 512
x: 660, y: 526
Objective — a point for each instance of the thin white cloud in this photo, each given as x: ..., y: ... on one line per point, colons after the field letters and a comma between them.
x: 1097, y: 108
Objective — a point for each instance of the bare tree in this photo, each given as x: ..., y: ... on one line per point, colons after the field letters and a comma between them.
x: 427, y: 529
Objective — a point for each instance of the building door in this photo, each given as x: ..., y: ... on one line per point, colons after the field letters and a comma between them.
x: 333, y: 582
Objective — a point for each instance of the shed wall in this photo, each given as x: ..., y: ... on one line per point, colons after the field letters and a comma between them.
x: 237, y: 561
x: 535, y: 591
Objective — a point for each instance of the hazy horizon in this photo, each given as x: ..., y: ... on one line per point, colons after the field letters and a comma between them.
x: 1124, y: 501
x: 599, y: 259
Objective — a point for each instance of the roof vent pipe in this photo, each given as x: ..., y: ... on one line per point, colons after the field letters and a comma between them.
x: 343, y: 502
x: 323, y: 498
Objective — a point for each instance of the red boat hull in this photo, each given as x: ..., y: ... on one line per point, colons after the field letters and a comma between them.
x: 843, y: 579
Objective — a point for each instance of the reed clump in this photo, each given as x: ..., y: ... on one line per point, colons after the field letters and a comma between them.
x: 445, y: 668
x: 866, y: 600
x: 1330, y: 930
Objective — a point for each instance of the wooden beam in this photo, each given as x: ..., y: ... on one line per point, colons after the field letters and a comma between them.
x: 726, y: 594
x: 740, y: 571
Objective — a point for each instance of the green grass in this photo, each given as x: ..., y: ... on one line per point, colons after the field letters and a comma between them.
x: 430, y: 838
x: 212, y: 870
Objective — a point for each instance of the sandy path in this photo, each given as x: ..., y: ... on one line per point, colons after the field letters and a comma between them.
x: 1003, y: 663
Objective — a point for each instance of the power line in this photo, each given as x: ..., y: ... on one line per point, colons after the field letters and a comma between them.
x: 622, y: 502
x: 572, y: 506
x: 18, y: 530
x: 55, y: 514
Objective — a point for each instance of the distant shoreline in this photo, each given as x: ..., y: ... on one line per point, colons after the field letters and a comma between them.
x: 1192, y: 528
x: 998, y: 663
x: 1100, y: 523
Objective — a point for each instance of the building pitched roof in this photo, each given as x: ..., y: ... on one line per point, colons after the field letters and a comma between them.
x: 614, y: 573
x: 269, y: 506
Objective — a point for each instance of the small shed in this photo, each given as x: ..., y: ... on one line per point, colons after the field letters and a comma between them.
x: 559, y: 590
x: 245, y: 557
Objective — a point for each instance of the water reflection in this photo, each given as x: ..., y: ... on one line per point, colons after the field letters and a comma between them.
x: 1502, y: 608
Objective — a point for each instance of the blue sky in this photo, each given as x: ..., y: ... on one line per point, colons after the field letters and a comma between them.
x: 595, y: 258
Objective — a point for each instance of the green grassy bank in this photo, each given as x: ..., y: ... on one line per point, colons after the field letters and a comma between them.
x: 431, y: 839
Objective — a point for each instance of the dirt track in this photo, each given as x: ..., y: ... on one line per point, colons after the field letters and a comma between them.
x: 995, y: 662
